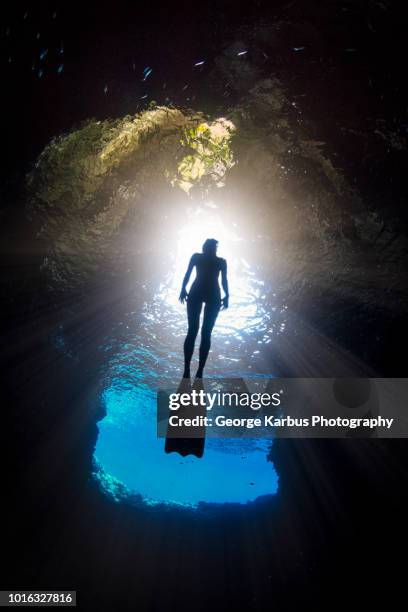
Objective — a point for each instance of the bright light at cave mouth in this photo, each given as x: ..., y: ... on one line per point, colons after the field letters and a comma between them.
x: 207, y: 221
x: 128, y: 450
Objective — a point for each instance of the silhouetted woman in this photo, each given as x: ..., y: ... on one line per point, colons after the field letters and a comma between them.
x: 204, y: 290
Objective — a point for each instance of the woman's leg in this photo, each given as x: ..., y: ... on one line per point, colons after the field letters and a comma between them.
x: 211, y: 311
x: 193, y: 315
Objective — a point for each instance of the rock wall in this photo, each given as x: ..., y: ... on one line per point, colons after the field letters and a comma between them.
x: 102, y: 196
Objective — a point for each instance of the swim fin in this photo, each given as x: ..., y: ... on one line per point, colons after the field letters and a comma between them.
x: 180, y: 441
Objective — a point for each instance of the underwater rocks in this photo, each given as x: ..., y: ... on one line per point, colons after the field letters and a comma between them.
x: 90, y: 186
x: 323, y: 243
x: 105, y: 199
x: 97, y: 196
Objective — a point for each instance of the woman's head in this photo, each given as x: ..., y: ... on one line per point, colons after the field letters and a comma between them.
x: 210, y: 246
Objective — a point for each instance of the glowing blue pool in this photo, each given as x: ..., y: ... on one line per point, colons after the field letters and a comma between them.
x: 233, y: 471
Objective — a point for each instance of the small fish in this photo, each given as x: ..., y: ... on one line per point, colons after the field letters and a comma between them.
x: 54, y: 14
x: 147, y: 71
x: 40, y: 73
x: 242, y: 53
x: 43, y: 54
x: 61, y: 49
x: 200, y: 63
x: 38, y: 35
x: 143, y: 97
x: 184, y: 88
x: 105, y: 89
x: 298, y: 48
x: 60, y: 68
x: 25, y: 15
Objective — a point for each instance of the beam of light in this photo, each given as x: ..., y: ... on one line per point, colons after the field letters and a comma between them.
x: 207, y: 221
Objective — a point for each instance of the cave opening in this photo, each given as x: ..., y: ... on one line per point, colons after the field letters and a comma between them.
x: 164, y: 226
x: 127, y: 451
x: 122, y: 204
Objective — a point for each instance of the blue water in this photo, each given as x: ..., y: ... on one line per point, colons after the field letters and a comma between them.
x: 150, y: 341
x: 231, y: 470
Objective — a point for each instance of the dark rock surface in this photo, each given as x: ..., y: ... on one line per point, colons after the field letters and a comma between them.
x: 97, y: 199
x: 321, y: 146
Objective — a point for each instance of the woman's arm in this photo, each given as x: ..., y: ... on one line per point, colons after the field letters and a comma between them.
x: 224, y: 282
x: 183, y: 293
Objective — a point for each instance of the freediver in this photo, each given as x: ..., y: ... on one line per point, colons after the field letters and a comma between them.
x: 204, y: 290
